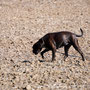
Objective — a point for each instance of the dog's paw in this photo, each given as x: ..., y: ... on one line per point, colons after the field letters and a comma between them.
x: 42, y: 56
x: 53, y: 60
x: 65, y: 58
x: 41, y: 60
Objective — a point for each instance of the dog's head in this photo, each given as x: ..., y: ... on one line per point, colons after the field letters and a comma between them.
x: 37, y: 47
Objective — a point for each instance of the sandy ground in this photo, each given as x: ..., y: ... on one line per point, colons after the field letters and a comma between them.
x: 22, y: 23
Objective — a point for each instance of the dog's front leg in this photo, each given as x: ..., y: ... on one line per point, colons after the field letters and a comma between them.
x: 42, y: 53
x: 53, y: 55
x: 53, y: 49
x: 53, y: 52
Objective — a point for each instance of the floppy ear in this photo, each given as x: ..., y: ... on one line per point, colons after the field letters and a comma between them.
x: 41, y: 41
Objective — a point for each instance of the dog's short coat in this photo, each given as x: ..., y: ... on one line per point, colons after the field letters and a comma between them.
x: 53, y: 41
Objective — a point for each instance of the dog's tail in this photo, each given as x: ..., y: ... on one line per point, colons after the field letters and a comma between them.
x: 81, y: 33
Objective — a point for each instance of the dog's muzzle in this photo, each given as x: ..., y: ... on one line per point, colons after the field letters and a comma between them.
x: 35, y: 52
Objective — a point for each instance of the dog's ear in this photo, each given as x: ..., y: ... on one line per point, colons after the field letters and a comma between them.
x: 41, y: 41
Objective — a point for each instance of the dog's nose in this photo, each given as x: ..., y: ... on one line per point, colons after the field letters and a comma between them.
x: 35, y: 52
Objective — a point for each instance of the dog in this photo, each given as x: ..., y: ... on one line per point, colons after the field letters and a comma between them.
x: 53, y: 41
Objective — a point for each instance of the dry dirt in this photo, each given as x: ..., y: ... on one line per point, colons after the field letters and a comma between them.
x: 22, y: 23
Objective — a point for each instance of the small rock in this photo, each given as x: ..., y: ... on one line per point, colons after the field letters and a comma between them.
x: 29, y: 87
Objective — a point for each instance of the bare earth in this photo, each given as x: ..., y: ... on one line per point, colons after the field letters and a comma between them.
x: 22, y: 23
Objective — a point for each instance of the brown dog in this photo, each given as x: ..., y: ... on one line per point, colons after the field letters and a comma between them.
x: 53, y: 41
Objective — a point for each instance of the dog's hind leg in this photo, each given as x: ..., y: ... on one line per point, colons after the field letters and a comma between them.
x: 77, y: 47
x: 66, y: 49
